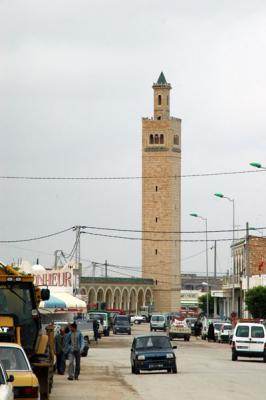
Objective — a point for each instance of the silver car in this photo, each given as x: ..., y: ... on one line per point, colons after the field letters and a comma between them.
x: 6, y: 388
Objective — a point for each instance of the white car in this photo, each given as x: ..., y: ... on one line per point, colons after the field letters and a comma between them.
x: 249, y: 341
x: 137, y: 319
x: 225, y: 333
x: 6, y: 388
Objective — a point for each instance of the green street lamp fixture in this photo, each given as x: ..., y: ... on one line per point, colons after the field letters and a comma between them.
x: 219, y: 195
x: 194, y: 215
x: 256, y: 165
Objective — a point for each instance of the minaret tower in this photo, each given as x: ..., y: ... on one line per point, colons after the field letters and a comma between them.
x: 161, y: 203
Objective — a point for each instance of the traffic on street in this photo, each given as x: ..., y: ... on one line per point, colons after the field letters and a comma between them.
x: 204, y: 370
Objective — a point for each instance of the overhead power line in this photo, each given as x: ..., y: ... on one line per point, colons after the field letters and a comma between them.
x: 37, y: 237
x: 169, y: 232
x: 156, y: 240
x: 105, y: 178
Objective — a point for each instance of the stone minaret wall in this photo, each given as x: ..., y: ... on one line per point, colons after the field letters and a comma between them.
x: 161, y: 203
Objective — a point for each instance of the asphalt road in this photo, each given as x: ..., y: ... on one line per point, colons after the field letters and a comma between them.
x: 205, y: 371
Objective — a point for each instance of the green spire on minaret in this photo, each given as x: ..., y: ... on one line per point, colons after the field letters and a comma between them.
x: 161, y: 79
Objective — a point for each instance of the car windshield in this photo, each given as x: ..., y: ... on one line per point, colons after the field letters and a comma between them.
x: 157, y: 318
x: 242, y: 331
x: 218, y: 326
x: 97, y: 316
x: 257, y: 332
x: 13, y: 359
x: 122, y: 322
x: 227, y: 327
x: 153, y: 342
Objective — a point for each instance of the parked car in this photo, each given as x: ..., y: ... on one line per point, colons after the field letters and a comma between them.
x: 15, y: 362
x: 6, y: 388
x: 217, y: 327
x: 122, y: 324
x: 137, y: 319
x: 103, y: 318
x: 249, y: 341
x: 225, y: 333
x: 86, y: 328
x: 158, y: 322
x: 152, y: 352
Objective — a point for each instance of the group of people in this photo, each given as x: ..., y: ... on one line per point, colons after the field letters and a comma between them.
x: 69, y: 344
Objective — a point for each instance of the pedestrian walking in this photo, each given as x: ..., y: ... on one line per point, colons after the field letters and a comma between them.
x: 211, y: 335
x: 95, y: 326
x: 198, y: 328
x: 59, y: 351
x: 76, y: 343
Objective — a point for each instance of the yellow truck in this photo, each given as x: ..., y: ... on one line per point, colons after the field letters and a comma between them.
x: 20, y: 323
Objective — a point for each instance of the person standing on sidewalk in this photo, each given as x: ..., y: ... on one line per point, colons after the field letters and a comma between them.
x: 76, y: 342
x: 59, y: 351
x: 95, y: 325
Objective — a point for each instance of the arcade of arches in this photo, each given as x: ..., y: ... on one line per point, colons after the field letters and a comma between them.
x: 129, y: 294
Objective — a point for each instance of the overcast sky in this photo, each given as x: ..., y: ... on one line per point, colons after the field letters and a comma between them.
x: 75, y: 81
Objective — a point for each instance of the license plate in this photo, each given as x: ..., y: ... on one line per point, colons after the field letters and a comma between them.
x: 155, y: 365
x: 242, y: 347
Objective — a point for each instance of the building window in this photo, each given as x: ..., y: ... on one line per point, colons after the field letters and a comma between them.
x: 156, y: 252
x: 156, y: 139
x: 161, y: 139
x: 159, y: 118
x: 156, y: 219
x: 167, y: 99
x: 151, y: 141
x: 159, y: 100
x: 156, y: 188
x: 176, y: 140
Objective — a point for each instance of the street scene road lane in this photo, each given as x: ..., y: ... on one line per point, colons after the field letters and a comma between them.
x: 205, y: 370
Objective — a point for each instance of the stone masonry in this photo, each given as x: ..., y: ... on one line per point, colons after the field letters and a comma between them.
x: 161, y: 208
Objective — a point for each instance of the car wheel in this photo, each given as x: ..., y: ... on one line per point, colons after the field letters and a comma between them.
x: 129, y: 333
x: 234, y: 356
x: 174, y: 370
x: 132, y: 369
x: 137, y: 371
x: 169, y: 370
x: 264, y: 359
x: 151, y: 329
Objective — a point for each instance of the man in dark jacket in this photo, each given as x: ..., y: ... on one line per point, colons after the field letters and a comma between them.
x: 95, y: 325
x: 59, y: 351
x: 76, y: 343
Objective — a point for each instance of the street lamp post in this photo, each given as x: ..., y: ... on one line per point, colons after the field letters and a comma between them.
x: 221, y: 196
x: 207, y: 263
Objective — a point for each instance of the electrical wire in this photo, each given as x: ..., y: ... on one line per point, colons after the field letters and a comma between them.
x: 80, y: 178
x: 38, y: 237
x: 169, y: 232
x: 157, y: 240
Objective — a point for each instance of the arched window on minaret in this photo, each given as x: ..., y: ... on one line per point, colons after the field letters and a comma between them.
x: 159, y: 100
x: 156, y: 140
x: 151, y: 141
x: 161, y: 139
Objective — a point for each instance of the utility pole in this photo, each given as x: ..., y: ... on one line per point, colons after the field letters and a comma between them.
x: 215, y: 263
x: 105, y: 266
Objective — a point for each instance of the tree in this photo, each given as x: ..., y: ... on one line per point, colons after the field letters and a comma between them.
x: 203, y: 304
x: 255, y: 300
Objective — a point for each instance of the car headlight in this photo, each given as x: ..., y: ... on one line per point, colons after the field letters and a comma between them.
x: 141, y: 357
x: 169, y: 355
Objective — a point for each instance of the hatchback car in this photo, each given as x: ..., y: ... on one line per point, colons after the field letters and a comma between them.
x: 15, y: 362
x: 152, y: 352
x: 249, y: 340
x: 122, y: 325
x: 6, y: 388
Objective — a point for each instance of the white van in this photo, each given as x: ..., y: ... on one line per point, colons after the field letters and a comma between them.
x: 158, y: 322
x: 249, y: 340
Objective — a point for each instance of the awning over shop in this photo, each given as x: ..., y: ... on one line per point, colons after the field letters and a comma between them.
x: 64, y: 302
